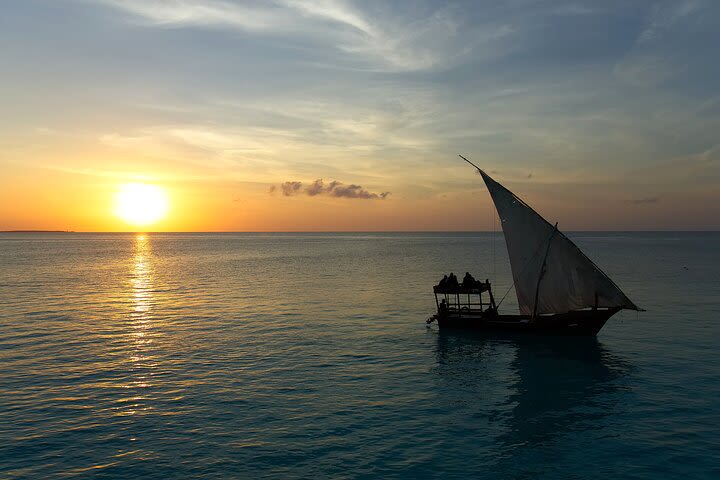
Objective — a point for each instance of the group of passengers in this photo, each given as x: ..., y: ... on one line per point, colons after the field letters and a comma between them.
x: 451, y: 281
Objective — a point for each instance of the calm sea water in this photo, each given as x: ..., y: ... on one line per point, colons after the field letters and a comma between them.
x: 251, y: 355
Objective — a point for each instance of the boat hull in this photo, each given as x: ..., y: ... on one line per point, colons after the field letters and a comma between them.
x: 580, y: 323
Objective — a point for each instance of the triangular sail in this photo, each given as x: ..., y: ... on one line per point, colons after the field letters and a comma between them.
x: 570, y: 280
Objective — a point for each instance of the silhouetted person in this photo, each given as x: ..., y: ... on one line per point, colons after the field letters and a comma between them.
x: 452, y: 281
x: 443, y: 306
x: 443, y: 282
x: 468, y: 280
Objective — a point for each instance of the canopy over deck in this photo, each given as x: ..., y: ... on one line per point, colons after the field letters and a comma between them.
x: 465, y: 298
x: 476, y: 288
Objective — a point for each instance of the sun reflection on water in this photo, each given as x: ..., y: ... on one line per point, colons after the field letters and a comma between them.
x: 141, y: 281
x: 141, y: 323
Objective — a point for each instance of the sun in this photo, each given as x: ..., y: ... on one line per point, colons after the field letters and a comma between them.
x: 141, y: 204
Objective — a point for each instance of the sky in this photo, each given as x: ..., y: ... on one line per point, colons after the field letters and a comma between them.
x: 333, y: 115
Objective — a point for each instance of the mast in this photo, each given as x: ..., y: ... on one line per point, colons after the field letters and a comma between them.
x: 471, y: 163
x: 542, y: 273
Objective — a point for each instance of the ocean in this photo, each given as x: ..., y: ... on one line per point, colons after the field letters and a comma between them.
x: 307, y: 356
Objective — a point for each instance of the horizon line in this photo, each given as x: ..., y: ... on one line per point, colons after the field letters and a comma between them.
x: 340, y: 231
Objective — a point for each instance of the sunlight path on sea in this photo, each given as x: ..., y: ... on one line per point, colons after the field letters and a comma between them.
x: 141, y: 329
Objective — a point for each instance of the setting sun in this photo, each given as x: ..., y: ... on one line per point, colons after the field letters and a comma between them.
x: 141, y: 204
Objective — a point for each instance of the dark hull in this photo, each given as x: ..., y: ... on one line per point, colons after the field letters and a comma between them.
x: 581, y: 322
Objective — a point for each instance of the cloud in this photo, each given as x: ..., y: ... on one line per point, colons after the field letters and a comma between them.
x: 664, y: 17
x: 333, y: 189
x: 316, y: 188
x: 200, y: 13
x: 290, y: 188
x: 381, y: 38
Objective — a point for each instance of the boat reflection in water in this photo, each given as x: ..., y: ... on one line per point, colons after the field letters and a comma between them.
x: 533, y: 392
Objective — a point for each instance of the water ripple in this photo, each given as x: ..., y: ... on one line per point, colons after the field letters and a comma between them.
x: 228, y: 355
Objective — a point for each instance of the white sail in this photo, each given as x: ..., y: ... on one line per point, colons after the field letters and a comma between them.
x: 570, y: 280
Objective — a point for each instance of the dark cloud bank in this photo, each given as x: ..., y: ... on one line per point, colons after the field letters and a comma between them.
x: 332, y: 189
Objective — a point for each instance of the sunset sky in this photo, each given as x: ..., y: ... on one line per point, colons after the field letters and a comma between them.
x: 601, y: 115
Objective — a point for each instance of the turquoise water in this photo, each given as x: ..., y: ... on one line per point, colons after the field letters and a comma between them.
x: 250, y: 355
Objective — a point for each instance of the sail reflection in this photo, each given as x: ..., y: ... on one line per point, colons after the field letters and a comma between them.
x: 533, y: 389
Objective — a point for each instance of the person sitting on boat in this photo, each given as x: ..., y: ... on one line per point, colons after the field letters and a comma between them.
x: 443, y: 305
x: 443, y: 282
x: 452, y: 281
x: 469, y: 281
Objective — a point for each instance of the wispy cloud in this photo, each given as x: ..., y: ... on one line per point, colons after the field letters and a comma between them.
x: 382, y: 39
x: 666, y: 15
x: 211, y: 13
x: 332, y: 189
x: 382, y: 93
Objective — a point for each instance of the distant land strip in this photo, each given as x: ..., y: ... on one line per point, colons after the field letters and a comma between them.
x: 37, y: 231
